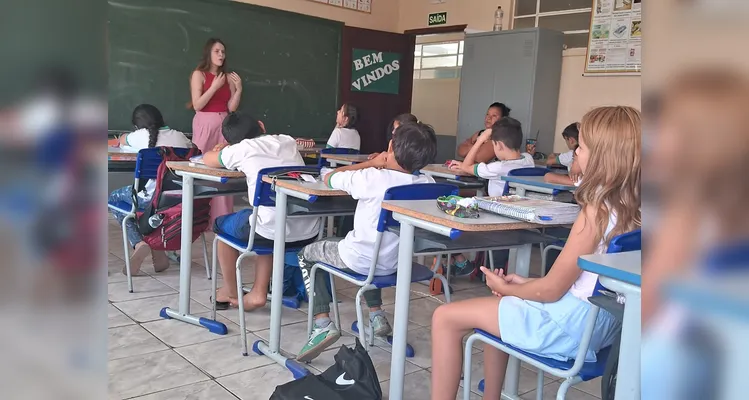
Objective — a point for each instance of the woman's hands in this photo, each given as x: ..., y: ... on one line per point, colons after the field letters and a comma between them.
x: 235, y: 81
x: 498, y: 282
x: 218, y: 81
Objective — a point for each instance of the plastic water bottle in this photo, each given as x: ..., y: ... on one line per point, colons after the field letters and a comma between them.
x: 155, y: 220
x: 498, y: 15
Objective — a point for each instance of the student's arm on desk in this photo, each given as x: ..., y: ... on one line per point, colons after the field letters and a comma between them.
x: 213, y: 157
x: 377, y: 162
x: 558, y: 179
x: 468, y: 165
x: 563, y: 273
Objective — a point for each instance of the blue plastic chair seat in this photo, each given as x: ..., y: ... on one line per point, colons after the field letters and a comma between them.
x: 259, y: 250
x: 419, y: 273
x: 590, y: 370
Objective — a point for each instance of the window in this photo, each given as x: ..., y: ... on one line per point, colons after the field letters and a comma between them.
x: 438, y: 60
x: 569, y: 16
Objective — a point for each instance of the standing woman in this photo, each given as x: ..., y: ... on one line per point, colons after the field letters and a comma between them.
x: 214, y: 93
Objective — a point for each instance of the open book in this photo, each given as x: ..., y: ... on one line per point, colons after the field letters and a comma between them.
x: 531, y: 210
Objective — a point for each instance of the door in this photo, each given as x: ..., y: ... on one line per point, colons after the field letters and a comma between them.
x: 377, y: 77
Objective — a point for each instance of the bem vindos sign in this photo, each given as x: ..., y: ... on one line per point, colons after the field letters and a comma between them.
x: 375, y: 71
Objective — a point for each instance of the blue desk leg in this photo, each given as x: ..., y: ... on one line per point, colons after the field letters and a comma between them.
x: 402, y: 297
x: 628, y: 373
x: 273, y: 348
x: 184, y: 267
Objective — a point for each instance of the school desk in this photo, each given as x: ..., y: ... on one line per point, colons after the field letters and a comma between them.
x: 535, y: 184
x: 218, y: 182
x: 307, y: 191
x: 424, y: 214
x: 621, y: 272
x: 345, y: 159
x: 441, y: 171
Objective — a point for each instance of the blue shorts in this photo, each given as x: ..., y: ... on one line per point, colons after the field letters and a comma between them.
x: 553, y: 330
x: 237, y: 225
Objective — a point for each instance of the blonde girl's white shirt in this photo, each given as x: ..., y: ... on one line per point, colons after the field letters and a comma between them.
x: 494, y: 172
x: 252, y: 155
x: 586, y: 282
x: 346, y: 138
x: 369, y: 187
x: 168, y: 137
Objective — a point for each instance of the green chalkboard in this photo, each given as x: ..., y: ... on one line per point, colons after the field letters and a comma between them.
x: 288, y: 62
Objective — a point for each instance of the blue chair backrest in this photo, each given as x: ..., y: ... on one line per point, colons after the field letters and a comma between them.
x: 333, y: 150
x: 417, y: 191
x: 264, y: 194
x: 148, y: 161
x: 532, y: 171
x: 630, y: 241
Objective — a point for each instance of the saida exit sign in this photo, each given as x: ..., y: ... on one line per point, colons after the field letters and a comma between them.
x: 439, y: 18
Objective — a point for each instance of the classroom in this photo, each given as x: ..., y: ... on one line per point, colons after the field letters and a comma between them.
x: 271, y: 162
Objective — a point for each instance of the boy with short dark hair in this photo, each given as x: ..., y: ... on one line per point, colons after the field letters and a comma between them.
x: 413, y: 147
x: 250, y: 150
x: 570, y: 135
x: 507, y: 137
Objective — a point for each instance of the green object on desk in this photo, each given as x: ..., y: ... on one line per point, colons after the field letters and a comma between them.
x: 449, y: 204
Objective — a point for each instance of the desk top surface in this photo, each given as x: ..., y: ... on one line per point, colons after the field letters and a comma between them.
x: 317, y: 188
x: 427, y: 210
x: 355, y: 158
x: 442, y: 169
x: 187, y: 166
x: 537, y: 181
x: 625, y: 267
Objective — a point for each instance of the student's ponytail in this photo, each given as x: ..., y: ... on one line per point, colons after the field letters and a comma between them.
x: 148, y: 117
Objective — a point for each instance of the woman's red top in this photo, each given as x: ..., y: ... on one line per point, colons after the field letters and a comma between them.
x: 220, y: 100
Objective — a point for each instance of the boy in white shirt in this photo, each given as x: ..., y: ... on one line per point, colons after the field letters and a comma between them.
x: 507, y: 136
x: 570, y: 135
x: 413, y: 147
x: 250, y: 150
x: 345, y: 135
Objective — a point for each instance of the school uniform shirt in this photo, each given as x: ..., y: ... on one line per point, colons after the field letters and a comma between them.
x: 566, y: 159
x: 252, y: 155
x: 493, y: 172
x: 369, y: 186
x: 168, y: 137
x: 346, y: 138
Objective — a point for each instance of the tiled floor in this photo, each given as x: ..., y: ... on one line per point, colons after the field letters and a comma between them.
x: 156, y: 359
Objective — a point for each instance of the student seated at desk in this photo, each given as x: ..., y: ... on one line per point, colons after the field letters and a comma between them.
x: 570, y: 135
x: 546, y: 316
x: 345, y: 135
x: 414, y: 146
x: 151, y: 132
x: 394, y: 124
x: 506, y: 137
x: 249, y: 150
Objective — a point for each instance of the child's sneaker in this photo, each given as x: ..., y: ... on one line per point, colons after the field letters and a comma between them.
x: 463, y: 268
x: 380, y: 325
x: 320, y: 339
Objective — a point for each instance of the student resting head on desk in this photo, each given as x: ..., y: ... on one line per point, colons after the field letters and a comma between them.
x: 394, y: 124
x: 250, y: 150
x: 414, y: 146
x: 345, y: 134
x: 485, y: 154
x: 151, y: 131
x: 546, y: 316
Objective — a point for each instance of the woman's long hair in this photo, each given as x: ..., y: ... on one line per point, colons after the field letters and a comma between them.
x: 611, y: 184
x: 148, y: 117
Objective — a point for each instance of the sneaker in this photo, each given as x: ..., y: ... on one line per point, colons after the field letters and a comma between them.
x: 463, y: 268
x: 173, y: 256
x: 320, y: 339
x: 381, y: 326
x: 137, y: 256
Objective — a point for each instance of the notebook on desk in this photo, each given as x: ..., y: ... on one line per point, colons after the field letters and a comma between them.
x: 197, y: 159
x: 530, y: 210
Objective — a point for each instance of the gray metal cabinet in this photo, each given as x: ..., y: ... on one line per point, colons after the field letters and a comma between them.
x: 521, y: 68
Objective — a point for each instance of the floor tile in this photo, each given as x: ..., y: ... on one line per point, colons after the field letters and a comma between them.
x: 388, y: 294
x: 417, y: 386
x: 527, y: 377
x: 592, y: 387
x: 116, y: 318
x: 223, y: 356
x: 149, y: 373
x: 421, y: 341
x: 259, y: 383
x: 132, y: 340
x: 171, y: 277
x: 259, y: 319
x: 550, y: 393
x: 420, y: 310
x: 198, y: 391
x: 145, y: 310
x: 176, y: 333
x: 142, y: 288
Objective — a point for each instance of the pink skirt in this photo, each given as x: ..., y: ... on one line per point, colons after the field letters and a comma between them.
x: 206, y: 133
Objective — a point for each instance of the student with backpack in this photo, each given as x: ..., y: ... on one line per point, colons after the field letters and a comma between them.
x: 151, y: 131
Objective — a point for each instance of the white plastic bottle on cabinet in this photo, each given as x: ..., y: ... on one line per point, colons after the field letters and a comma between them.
x: 498, y: 16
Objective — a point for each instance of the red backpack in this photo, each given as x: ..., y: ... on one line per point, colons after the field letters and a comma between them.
x: 167, y: 204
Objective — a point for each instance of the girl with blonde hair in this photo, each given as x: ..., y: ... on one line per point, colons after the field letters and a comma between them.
x: 546, y: 316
